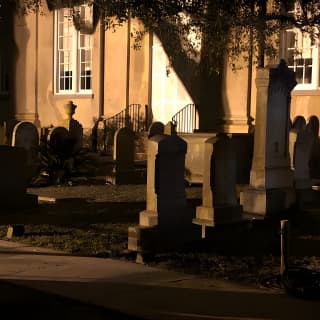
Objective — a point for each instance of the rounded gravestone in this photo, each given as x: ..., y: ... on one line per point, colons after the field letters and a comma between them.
x: 313, y: 125
x: 155, y: 128
x: 58, y: 140
x: 25, y: 135
x: 299, y: 123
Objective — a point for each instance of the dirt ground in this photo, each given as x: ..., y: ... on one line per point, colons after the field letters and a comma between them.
x: 93, y: 219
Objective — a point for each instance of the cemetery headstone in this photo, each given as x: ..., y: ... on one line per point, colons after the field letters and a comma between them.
x: 14, y: 179
x: 195, y: 155
x: 219, y: 196
x: 123, y: 157
x: 298, y: 124
x: 58, y: 141
x: 101, y: 137
x: 155, y: 128
x: 271, y: 178
x: 25, y: 135
x: 3, y: 133
x: 302, y: 145
x: 73, y: 126
x: 170, y: 128
x: 313, y: 126
x: 166, y: 217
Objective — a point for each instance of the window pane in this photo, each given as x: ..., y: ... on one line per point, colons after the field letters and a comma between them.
x: 73, y: 52
x: 299, y: 74
x: 60, y: 28
x: 82, y: 40
x: 308, y: 74
x: 68, y: 80
x: 299, y: 55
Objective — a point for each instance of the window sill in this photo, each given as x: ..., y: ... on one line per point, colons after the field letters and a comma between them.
x: 73, y: 95
x: 306, y: 92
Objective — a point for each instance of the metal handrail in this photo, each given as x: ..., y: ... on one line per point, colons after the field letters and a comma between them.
x: 186, y: 119
x: 130, y: 117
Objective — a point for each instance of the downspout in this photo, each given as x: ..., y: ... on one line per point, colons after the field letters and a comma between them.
x: 249, y: 88
x: 150, y: 78
x: 128, y: 64
x: 36, y: 89
x: 102, y: 62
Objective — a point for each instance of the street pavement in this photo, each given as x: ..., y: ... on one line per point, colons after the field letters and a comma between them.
x: 40, y: 283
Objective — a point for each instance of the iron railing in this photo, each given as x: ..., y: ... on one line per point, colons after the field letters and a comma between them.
x: 131, y: 117
x: 186, y: 119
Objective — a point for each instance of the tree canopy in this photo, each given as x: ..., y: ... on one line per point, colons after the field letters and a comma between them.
x: 227, y: 28
x: 201, y: 36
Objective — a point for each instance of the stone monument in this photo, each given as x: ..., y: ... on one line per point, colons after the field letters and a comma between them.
x: 73, y: 126
x: 301, y: 141
x: 155, y: 128
x: 313, y: 126
x: 166, y: 222
x: 14, y: 179
x: 219, y: 196
x: 58, y: 139
x: 25, y: 135
x: 123, y: 157
x: 271, y: 178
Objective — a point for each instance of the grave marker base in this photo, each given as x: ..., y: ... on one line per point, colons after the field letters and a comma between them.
x: 146, y: 240
x: 267, y: 201
x: 210, y: 217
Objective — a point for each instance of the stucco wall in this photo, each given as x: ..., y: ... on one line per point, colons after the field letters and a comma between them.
x: 35, y: 96
x: 115, y: 70
x: 139, y: 67
x: 305, y: 103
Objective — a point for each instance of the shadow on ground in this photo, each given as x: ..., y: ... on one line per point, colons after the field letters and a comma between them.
x: 20, y: 302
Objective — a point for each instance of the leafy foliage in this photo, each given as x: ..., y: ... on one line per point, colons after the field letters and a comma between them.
x: 224, y: 27
x: 201, y: 37
x: 57, y: 167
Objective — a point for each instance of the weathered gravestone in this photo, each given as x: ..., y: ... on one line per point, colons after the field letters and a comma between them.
x: 101, y: 137
x: 313, y: 125
x: 155, y: 128
x: 14, y: 179
x: 195, y: 155
x: 25, y: 135
x: 123, y: 157
x: 219, y: 196
x: 58, y: 139
x: 73, y: 126
x: 297, y: 125
x: 3, y: 133
x: 271, y: 178
x: 301, y: 141
x: 62, y: 150
x: 166, y: 222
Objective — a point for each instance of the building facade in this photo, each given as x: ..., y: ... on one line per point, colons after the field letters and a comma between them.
x: 47, y: 60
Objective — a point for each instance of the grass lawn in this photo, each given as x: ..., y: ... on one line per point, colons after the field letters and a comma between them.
x: 82, y: 226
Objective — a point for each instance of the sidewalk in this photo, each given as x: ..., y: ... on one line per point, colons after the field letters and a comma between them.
x: 48, y: 284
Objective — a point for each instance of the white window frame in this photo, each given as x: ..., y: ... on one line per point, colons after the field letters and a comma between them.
x: 76, y: 52
x: 303, y: 44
